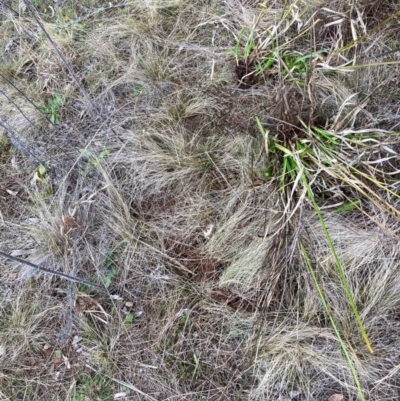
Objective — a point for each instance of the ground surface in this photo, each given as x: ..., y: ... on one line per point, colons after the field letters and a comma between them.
x: 227, y: 172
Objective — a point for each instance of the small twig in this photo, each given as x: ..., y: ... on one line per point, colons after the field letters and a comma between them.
x: 125, y: 384
x: 69, y: 310
x: 52, y: 272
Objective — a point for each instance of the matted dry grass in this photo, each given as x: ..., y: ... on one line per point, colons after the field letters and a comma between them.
x: 156, y: 182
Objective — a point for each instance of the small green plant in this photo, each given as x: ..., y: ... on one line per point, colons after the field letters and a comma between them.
x: 53, y: 108
x: 252, y: 61
x: 95, y: 161
x: 348, y: 206
x: 137, y: 90
x: 43, y: 179
x: 91, y: 161
x: 41, y: 173
x: 111, y: 269
x: 196, y: 366
x: 245, y: 40
x: 84, y: 288
x: 93, y: 388
x: 4, y: 144
x: 129, y: 318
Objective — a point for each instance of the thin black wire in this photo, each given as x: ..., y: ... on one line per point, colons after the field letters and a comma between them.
x: 67, y: 66
x: 27, y: 99
x: 3, y: 4
x: 52, y: 272
x: 19, y: 109
x: 36, y: 108
x: 31, y: 8
x: 14, y: 138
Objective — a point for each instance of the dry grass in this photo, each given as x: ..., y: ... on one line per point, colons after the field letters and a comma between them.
x: 157, y: 182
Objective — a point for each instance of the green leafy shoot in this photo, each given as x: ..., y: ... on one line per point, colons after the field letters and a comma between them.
x: 53, y: 108
x: 296, y: 64
x: 129, y: 318
x: 348, y: 206
x: 111, y: 269
x: 248, y: 46
x: 94, y: 160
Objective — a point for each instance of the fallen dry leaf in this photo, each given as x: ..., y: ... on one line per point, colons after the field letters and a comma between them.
x: 12, y: 193
x: 66, y: 362
x: 57, y: 360
x: 336, y: 397
x: 117, y: 396
x: 68, y: 223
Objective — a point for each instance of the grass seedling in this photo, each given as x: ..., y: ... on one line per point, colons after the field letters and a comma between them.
x: 292, y: 64
x: 111, y: 269
x: 128, y: 321
x: 53, y: 108
x: 249, y: 45
x: 348, y: 206
x: 296, y: 64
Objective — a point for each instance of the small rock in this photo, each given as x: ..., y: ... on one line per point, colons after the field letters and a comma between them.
x: 336, y: 397
x: 117, y: 396
x: 294, y: 394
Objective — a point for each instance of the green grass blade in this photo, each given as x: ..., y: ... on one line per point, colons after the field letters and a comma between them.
x: 339, y: 267
x: 329, y: 313
x: 347, y: 206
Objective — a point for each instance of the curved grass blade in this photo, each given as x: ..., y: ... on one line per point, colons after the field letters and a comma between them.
x: 339, y: 267
x: 330, y: 316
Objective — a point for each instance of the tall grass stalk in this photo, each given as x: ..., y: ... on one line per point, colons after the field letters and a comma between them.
x: 332, y: 320
x: 339, y: 266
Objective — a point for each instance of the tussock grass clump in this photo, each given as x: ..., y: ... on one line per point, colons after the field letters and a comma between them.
x: 220, y: 181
